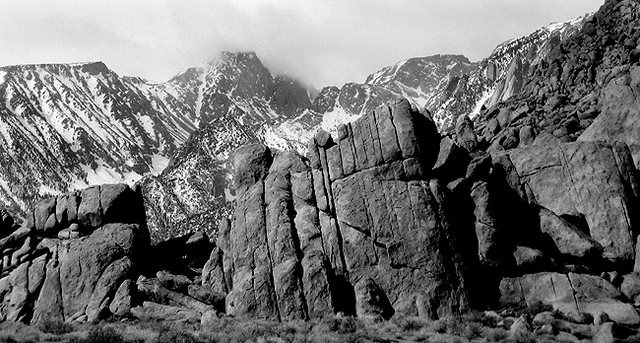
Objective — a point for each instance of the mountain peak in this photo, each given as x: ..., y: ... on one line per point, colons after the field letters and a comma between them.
x: 235, y: 57
x: 95, y: 68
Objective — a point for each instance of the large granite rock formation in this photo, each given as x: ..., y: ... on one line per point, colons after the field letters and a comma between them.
x: 360, y: 210
x: 591, y: 184
x: 70, y: 256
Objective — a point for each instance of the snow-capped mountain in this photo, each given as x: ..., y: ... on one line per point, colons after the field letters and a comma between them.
x: 239, y: 102
x: 66, y: 126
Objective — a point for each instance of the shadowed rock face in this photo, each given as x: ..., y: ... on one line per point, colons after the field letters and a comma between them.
x: 590, y: 180
x: 360, y: 210
x: 68, y: 260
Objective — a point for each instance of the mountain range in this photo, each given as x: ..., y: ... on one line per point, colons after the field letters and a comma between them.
x: 68, y: 126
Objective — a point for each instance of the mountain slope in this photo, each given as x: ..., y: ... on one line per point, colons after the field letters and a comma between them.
x: 67, y: 126
x: 240, y: 102
x: 586, y: 78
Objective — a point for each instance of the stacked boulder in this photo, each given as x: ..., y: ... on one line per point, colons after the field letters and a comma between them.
x: 71, y: 255
x: 550, y: 219
x: 359, y: 227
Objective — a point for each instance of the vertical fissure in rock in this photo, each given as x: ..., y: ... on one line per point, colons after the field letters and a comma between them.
x: 269, y: 255
x: 291, y: 213
x: 352, y: 145
x: 342, y: 292
x: 567, y: 168
x: 629, y: 192
x: 375, y: 138
x: 553, y: 287
x: 450, y: 243
x: 32, y: 297
x: 573, y: 292
x: 317, y: 210
x: 367, y: 208
x: 524, y: 296
x: 395, y: 132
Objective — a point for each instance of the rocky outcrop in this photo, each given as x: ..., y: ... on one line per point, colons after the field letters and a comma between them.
x: 583, y: 86
x: 591, y: 186
x: 361, y: 210
x: 571, y: 294
x: 73, y: 276
x: 619, y: 118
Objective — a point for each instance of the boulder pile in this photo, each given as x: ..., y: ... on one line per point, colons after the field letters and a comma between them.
x: 71, y: 255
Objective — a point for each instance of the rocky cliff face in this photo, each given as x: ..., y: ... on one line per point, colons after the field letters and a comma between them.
x: 365, y: 219
x: 312, y: 237
x: 389, y: 218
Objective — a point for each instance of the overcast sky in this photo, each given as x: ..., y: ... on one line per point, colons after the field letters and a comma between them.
x: 321, y: 42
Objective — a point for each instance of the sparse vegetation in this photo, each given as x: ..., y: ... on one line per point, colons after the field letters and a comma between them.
x: 54, y: 326
x: 474, y: 327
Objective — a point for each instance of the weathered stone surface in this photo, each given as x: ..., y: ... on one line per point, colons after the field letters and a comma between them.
x: 371, y: 302
x: 213, y: 275
x: 567, y: 238
x: 619, y: 118
x: 305, y: 233
x: 315, y: 282
x: 207, y: 296
x: 44, y: 208
x: 594, y: 181
x: 491, y: 250
x: 451, y: 161
x: 154, y: 311
x: 119, y: 204
x: 89, y: 211
x: 178, y: 283
x: 570, y: 294
x: 604, y: 334
x: 67, y: 208
x: 630, y: 287
x: 153, y: 290
x: 71, y: 279
x: 7, y: 223
x: 123, y: 299
x: 253, y: 292
x: 530, y: 260
x: 465, y: 134
x: 251, y: 163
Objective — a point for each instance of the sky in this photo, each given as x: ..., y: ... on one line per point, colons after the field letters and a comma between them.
x: 320, y: 42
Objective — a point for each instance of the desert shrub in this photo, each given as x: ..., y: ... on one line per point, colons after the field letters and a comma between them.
x: 471, y: 330
x: 522, y: 337
x: 240, y: 330
x: 54, y: 326
x: 410, y: 323
x: 343, y: 325
x: 494, y: 334
x: 171, y: 336
x: 481, y: 318
x: 12, y: 332
x: 439, y: 326
x: 101, y: 334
